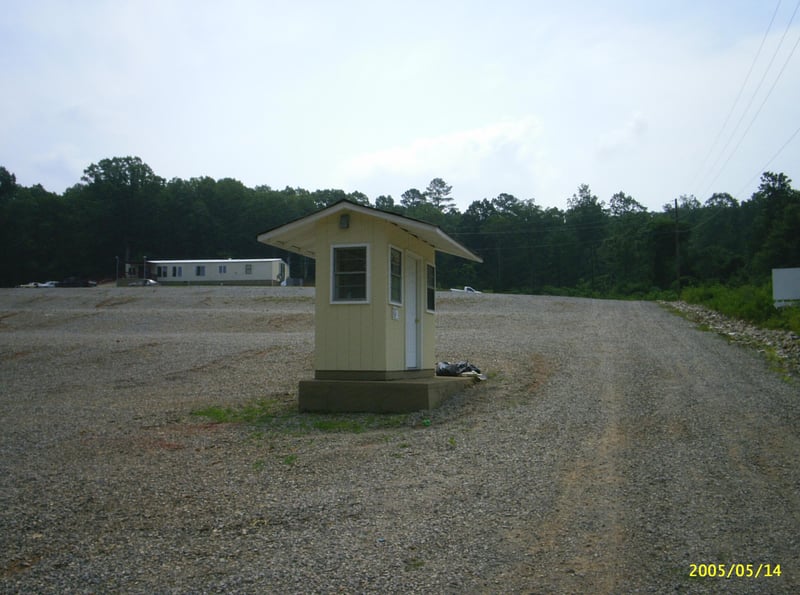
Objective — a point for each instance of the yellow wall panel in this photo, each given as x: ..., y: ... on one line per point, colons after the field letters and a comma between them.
x: 365, y: 336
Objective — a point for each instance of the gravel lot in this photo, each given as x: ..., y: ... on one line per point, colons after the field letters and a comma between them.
x: 613, y: 446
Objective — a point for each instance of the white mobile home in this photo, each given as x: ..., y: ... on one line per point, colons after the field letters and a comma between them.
x: 243, y: 271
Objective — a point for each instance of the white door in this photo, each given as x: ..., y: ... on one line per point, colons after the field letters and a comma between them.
x: 411, y: 302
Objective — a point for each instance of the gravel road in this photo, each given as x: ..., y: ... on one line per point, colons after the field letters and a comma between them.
x: 613, y: 447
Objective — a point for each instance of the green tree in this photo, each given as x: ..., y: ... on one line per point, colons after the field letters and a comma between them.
x: 586, y: 218
x: 124, y: 191
x: 626, y: 251
x: 8, y: 184
x: 775, y: 237
x: 716, y: 251
x: 385, y: 203
x: 412, y: 198
x: 621, y: 204
x: 438, y: 194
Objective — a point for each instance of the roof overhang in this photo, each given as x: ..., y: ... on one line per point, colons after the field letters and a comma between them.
x: 299, y: 236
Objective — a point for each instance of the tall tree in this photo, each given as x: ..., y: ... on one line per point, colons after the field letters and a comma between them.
x: 625, y: 250
x: 775, y: 239
x: 385, y: 202
x: 586, y: 219
x: 438, y: 194
x: 8, y: 184
x: 125, y: 191
x: 622, y: 204
x: 412, y: 198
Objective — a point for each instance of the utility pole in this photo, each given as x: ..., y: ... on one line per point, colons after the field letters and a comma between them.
x: 677, y: 252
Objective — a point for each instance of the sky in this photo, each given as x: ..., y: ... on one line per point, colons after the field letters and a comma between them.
x: 654, y: 98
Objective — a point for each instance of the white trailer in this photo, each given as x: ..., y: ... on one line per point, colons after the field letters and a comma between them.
x: 231, y: 271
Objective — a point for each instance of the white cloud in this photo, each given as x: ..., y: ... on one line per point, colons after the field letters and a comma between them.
x: 462, y: 152
x: 624, y: 139
x: 530, y: 99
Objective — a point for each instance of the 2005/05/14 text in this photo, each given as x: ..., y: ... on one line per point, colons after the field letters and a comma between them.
x: 734, y: 570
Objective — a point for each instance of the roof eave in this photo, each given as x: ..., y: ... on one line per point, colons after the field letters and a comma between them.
x: 426, y: 232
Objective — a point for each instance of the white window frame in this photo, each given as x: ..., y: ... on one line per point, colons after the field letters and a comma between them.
x: 402, y: 263
x: 428, y: 288
x: 223, y: 269
x: 368, y: 277
x: 200, y: 270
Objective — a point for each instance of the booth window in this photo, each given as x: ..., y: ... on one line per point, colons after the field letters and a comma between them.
x: 431, y: 287
x: 395, y: 276
x: 349, y: 274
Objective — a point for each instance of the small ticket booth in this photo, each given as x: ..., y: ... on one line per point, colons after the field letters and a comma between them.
x: 374, y: 347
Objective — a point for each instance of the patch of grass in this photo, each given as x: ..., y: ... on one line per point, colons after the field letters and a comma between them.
x: 777, y: 365
x: 258, y: 412
x: 339, y: 425
x: 290, y: 460
x: 272, y: 414
x: 752, y: 303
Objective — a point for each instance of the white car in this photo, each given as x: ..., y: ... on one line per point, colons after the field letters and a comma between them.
x: 143, y: 283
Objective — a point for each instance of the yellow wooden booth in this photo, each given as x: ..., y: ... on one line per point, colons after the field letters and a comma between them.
x: 374, y: 346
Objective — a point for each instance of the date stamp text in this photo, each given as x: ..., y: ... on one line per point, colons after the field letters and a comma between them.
x: 734, y: 570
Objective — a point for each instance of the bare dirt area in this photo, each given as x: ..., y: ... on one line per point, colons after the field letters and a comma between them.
x: 615, y: 448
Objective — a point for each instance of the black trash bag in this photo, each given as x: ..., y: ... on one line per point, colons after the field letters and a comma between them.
x: 456, y: 369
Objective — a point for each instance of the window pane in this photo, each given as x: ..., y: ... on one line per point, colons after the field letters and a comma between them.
x: 351, y: 260
x: 431, y: 288
x: 396, y: 276
x: 350, y: 274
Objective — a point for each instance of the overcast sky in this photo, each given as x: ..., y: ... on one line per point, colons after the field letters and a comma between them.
x: 530, y: 98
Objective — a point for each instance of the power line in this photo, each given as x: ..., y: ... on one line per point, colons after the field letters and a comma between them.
x: 771, y: 159
x: 752, y: 98
x: 738, y: 97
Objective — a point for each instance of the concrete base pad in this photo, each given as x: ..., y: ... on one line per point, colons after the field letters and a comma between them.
x: 379, y: 396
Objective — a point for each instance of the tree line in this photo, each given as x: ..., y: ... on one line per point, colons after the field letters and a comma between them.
x: 121, y: 211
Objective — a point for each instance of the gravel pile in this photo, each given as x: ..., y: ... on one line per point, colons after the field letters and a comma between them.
x: 612, y: 447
